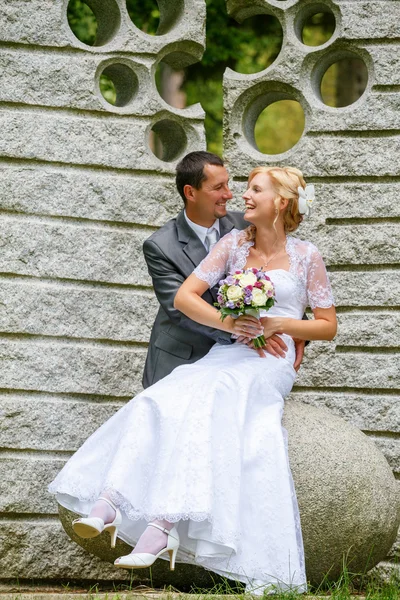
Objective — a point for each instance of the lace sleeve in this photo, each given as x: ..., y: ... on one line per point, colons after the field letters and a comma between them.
x: 215, y: 265
x: 319, y: 289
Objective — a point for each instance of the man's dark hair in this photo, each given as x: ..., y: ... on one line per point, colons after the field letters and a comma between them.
x: 190, y: 170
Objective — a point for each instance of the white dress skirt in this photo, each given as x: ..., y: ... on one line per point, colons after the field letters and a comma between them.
x: 205, y: 448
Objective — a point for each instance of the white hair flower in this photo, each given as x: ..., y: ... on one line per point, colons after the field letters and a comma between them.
x: 306, y: 199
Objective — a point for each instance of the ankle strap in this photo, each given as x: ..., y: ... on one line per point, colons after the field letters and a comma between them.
x: 168, y: 531
x: 108, y: 502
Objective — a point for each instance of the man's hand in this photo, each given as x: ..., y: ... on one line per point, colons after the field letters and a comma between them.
x: 273, y: 345
x: 299, y: 347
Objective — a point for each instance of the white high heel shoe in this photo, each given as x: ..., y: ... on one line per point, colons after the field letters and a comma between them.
x: 142, y: 560
x: 90, y: 527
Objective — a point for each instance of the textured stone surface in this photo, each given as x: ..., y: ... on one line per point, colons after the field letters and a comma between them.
x: 51, y: 248
x: 348, y: 497
x: 108, y: 141
x: 390, y: 447
x: 351, y: 367
x: 366, y: 288
x: 24, y: 483
x: 74, y: 311
x: 365, y: 409
x: 358, y: 16
x: 44, y: 23
x: 341, y: 200
x: 39, y: 549
x: 97, y: 195
x: 82, y: 368
x: 325, y: 155
x: 386, y: 59
x: 360, y: 329
x: 72, y: 81
x: 50, y: 423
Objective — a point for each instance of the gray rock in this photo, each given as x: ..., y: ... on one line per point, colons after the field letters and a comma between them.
x: 348, y: 498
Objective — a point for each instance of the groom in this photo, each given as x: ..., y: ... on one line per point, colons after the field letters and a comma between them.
x: 173, y: 252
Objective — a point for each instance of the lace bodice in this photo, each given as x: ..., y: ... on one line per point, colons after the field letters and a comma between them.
x: 309, y: 282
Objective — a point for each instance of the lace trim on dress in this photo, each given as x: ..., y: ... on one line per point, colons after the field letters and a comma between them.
x: 305, y: 264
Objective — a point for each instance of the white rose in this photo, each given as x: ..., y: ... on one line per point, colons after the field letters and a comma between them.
x: 268, y: 286
x: 248, y: 279
x: 234, y: 293
x: 259, y: 298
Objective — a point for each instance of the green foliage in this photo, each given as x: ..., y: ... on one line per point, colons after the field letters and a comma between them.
x: 279, y: 126
x: 145, y: 14
x: 107, y: 89
x: 82, y: 21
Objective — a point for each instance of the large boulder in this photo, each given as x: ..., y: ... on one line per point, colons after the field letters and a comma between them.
x: 348, y: 497
x: 347, y: 494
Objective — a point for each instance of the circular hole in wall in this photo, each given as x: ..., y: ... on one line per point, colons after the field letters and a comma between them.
x: 167, y: 140
x: 107, y: 89
x: 279, y: 126
x: 154, y: 18
x: 93, y: 22
x: 318, y: 28
x: 118, y: 84
x: 259, y: 41
x: 344, y: 81
x: 170, y: 76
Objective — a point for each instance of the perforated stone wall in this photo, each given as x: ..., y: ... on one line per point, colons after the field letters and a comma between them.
x: 352, y: 156
x: 81, y: 189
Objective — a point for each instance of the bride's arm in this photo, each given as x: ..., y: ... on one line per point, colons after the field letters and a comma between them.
x: 323, y: 327
x: 189, y: 301
x: 320, y: 298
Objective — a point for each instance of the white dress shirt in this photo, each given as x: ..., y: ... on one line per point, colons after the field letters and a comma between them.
x: 201, y: 231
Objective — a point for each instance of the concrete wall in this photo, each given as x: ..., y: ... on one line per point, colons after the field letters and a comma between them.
x: 80, y: 190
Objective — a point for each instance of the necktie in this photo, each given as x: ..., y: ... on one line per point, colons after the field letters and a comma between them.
x: 211, y: 238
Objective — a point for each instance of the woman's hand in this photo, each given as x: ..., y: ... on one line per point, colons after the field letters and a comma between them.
x: 271, y: 326
x: 247, y: 326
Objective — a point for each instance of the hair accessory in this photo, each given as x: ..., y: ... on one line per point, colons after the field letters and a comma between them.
x: 306, y: 199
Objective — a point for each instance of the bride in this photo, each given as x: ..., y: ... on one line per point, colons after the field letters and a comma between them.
x: 195, y: 468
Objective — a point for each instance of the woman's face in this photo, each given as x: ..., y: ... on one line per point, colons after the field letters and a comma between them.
x: 259, y: 199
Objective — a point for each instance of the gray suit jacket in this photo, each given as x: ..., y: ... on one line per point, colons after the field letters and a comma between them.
x: 171, y: 254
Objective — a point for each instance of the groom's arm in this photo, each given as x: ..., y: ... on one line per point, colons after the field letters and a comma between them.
x: 166, y: 282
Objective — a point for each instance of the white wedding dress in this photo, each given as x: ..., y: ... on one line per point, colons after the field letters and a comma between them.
x: 205, y: 446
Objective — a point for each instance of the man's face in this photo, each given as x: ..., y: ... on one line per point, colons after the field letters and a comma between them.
x: 209, y: 202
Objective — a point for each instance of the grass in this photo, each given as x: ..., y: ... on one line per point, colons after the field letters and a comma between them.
x: 350, y: 586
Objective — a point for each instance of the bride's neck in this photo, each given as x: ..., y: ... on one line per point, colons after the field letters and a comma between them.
x: 267, y: 239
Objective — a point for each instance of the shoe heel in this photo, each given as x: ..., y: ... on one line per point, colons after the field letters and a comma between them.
x: 172, y: 557
x: 113, y: 535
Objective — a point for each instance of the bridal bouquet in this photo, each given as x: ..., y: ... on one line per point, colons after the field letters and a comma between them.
x: 246, y: 292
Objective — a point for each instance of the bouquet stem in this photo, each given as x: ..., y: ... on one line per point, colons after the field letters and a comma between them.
x: 259, y: 341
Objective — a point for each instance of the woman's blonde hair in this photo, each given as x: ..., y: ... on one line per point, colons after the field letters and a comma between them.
x: 285, y: 181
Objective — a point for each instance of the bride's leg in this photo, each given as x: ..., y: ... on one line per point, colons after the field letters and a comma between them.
x: 103, y: 509
x: 152, y: 539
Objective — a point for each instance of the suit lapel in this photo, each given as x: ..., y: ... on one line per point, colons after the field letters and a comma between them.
x: 191, y: 244
x: 225, y: 226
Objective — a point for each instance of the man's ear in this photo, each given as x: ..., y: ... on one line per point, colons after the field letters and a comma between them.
x: 189, y: 192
